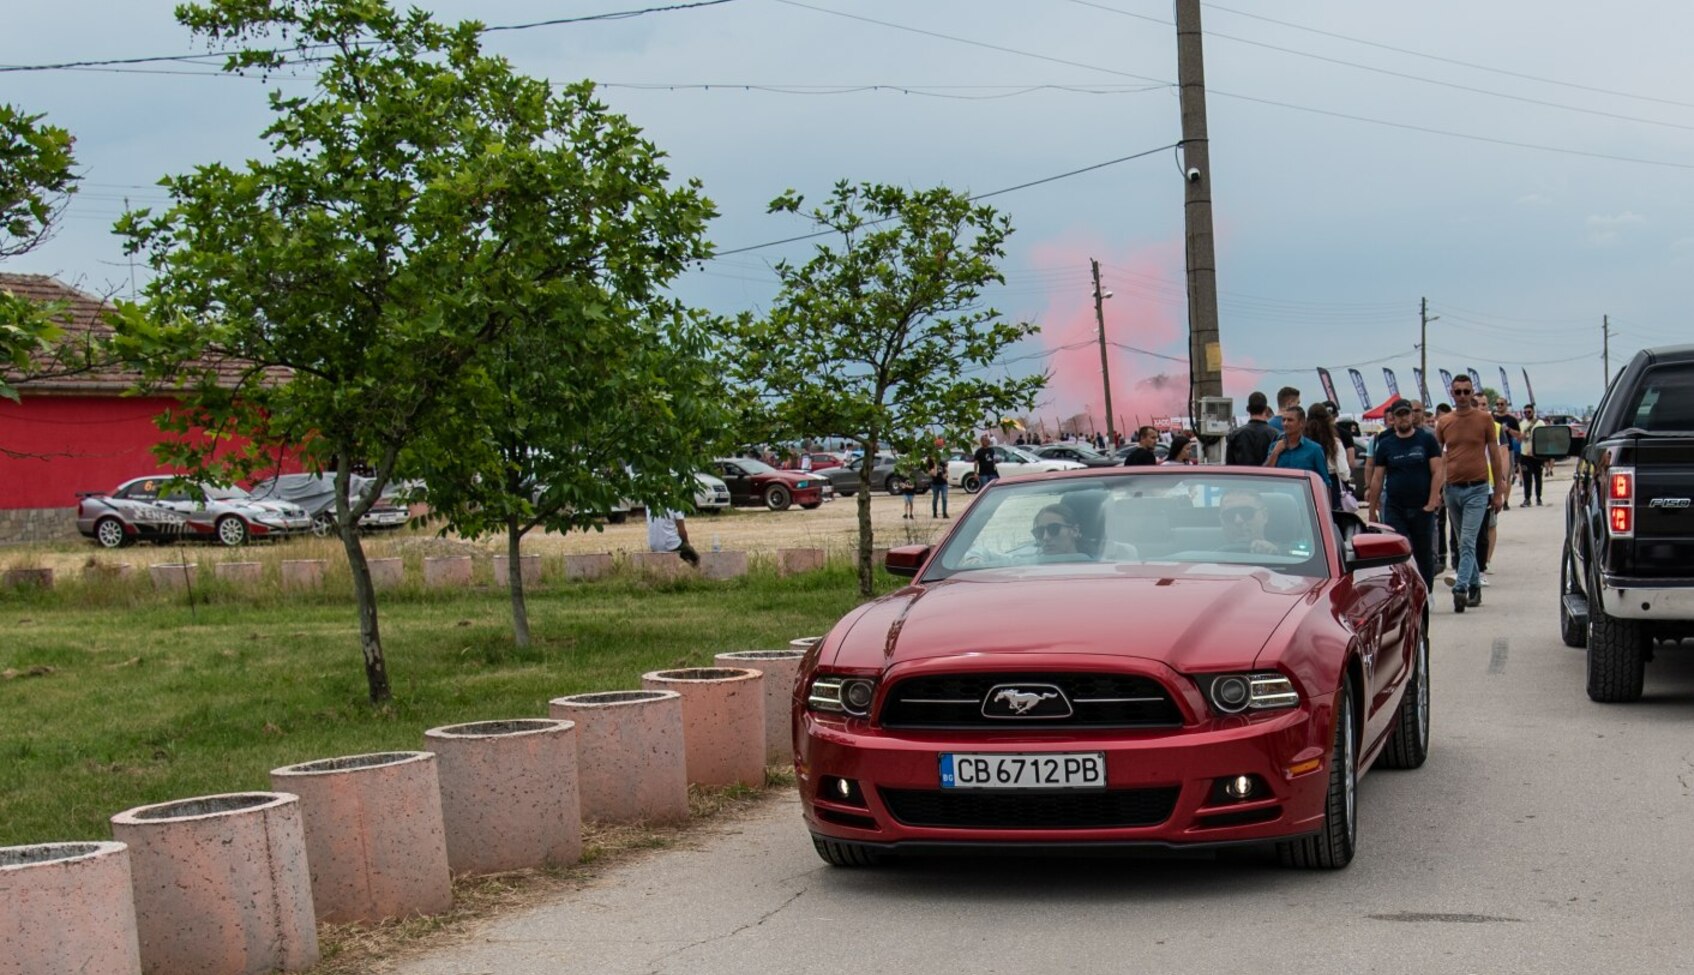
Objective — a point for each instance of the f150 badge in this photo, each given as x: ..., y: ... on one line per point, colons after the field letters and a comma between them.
x: 1668, y: 503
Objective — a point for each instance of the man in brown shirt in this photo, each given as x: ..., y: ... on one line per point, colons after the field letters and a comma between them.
x: 1476, y: 483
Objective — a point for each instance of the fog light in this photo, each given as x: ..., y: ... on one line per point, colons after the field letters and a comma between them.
x: 1239, y: 787
x: 843, y: 788
x: 1232, y: 789
x: 844, y: 791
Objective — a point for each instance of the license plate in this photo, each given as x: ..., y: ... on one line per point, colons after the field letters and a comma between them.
x: 1045, y: 770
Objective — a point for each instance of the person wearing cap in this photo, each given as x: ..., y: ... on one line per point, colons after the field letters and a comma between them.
x: 1405, y: 488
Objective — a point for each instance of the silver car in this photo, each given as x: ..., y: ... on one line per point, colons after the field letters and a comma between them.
x: 228, y: 515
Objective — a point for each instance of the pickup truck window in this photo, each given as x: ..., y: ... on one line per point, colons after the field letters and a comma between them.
x: 1664, y: 399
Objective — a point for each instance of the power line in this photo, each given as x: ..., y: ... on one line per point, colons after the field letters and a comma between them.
x: 615, y: 15
x: 930, y: 91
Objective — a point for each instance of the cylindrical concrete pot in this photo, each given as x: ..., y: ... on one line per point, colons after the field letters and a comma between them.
x: 386, y: 573
x: 723, y: 722
x: 630, y: 761
x: 529, y: 565
x: 790, y: 561
x: 246, y: 574
x: 447, y: 572
x: 780, y: 668
x: 303, y: 573
x: 594, y: 566
x: 659, y: 565
x: 374, y: 834
x: 508, y: 794
x: 723, y: 565
x: 221, y: 884
x: 27, y: 578
x: 107, y: 571
x: 879, y: 558
x: 173, y: 575
x: 67, y: 907
x: 804, y: 643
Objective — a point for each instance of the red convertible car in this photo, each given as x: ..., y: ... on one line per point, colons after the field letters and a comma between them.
x: 1230, y: 659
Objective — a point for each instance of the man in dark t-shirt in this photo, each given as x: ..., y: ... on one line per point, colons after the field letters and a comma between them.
x: 1141, y: 455
x: 986, y: 470
x: 1406, y: 480
x: 1248, y: 445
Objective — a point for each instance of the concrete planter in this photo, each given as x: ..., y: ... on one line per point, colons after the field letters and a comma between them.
x: 27, y: 579
x: 659, y: 565
x: 595, y: 566
x: 879, y: 558
x: 790, y: 561
x: 303, y: 573
x: 723, y: 565
x: 528, y: 565
x: 804, y: 643
x: 107, y: 572
x: 221, y: 884
x: 780, y: 668
x: 374, y: 834
x: 631, y: 766
x: 67, y: 907
x: 723, y: 722
x: 508, y: 794
x: 173, y: 575
x: 447, y: 572
x: 386, y: 573
x: 248, y: 574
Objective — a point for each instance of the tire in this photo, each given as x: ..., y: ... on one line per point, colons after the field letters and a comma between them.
x: 109, y: 533
x: 1408, y: 745
x: 323, y: 526
x: 896, y: 485
x: 1571, y: 630
x: 845, y: 854
x: 1617, y: 658
x: 230, y: 531
x: 618, y: 517
x: 1332, y: 847
x: 778, y: 498
x: 971, y: 483
x: 813, y: 505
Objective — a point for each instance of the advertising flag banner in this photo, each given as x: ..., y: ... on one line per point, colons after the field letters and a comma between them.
x: 1475, y: 378
x: 1359, y: 387
x: 1423, y: 388
x: 1393, y: 384
x: 1528, y: 390
x: 1447, y: 382
x: 1505, y: 386
x: 1328, y: 384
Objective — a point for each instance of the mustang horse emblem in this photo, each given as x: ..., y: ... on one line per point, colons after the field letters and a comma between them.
x: 1021, y: 701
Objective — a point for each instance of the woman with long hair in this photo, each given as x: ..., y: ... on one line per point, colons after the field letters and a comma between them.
x: 1320, y: 429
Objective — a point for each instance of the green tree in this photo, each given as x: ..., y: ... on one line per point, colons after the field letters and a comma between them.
x: 37, y: 179
x: 876, y: 339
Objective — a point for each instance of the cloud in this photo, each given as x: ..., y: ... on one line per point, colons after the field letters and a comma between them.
x: 1534, y: 200
x: 1607, y: 231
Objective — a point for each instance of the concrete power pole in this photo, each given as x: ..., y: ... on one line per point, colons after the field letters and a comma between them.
x: 1606, y: 350
x: 1205, y: 354
x: 1105, y: 370
x: 1424, y: 318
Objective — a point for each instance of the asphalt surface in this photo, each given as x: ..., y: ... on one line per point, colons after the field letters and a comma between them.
x: 1546, y: 834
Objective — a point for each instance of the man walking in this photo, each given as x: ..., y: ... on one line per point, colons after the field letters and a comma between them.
x: 1405, y: 485
x: 1248, y: 445
x: 987, y: 471
x: 1472, y: 460
x: 1141, y: 455
x: 1529, y: 465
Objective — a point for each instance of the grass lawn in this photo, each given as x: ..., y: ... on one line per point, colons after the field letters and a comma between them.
x: 115, y: 696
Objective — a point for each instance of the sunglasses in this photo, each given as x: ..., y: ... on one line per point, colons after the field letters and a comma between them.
x: 1049, y: 530
x: 1239, y: 512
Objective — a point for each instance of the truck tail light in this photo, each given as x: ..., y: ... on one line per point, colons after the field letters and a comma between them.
x: 1620, y: 503
x: 1622, y: 486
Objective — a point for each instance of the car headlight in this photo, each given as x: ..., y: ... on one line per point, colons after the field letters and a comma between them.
x: 1235, y: 693
x: 842, y: 695
x: 803, y: 484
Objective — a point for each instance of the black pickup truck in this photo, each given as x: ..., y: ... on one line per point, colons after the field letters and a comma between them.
x: 1627, y: 572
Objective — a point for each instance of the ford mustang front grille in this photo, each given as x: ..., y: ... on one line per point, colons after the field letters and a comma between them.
x: 1082, y: 700
x: 955, y: 809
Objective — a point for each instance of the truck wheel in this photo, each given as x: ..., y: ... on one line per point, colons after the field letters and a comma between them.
x: 1572, y: 630
x: 1617, y: 658
x: 777, y: 498
x: 971, y: 483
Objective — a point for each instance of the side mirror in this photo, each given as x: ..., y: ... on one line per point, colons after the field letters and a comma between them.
x: 1373, y: 550
x: 1553, y: 441
x: 908, y: 559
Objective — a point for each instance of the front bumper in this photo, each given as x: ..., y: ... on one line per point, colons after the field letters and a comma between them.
x: 889, y: 768
x: 1648, y: 599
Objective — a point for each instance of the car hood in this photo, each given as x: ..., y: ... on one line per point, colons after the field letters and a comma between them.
x: 789, y: 477
x: 1191, y: 618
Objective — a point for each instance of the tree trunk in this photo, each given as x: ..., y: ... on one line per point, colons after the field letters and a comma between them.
x: 370, y: 636
x: 514, y: 580
x: 863, y: 496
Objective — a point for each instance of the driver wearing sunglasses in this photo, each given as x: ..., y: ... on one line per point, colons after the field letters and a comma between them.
x: 1055, y: 532
x: 1243, y: 515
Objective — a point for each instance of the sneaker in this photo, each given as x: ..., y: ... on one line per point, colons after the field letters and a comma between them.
x: 1450, y: 577
x: 1475, y: 597
x: 1481, y: 579
x: 1458, y: 601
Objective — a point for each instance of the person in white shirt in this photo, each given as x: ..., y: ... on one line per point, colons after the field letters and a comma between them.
x: 667, y: 532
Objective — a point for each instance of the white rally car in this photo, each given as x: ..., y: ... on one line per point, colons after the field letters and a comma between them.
x: 1009, y: 461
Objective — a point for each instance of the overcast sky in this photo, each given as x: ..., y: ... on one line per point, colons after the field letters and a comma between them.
x: 1329, y: 229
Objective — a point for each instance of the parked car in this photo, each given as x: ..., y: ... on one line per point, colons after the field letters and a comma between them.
x: 754, y: 482
x: 228, y: 515
x: 712, y: 496
x: 821, y: 461
x: 845, y: 480
x: 1161, y: 450
x: 1010, y: 461
x: 1278, y: 651
x: 316, y: 494
x: 1080, y: 453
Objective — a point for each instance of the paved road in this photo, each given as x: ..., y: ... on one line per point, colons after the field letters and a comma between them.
x: 1546, y: 834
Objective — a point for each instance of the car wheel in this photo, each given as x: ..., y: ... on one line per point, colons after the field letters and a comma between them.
x: 896, y: 485
x: 845, y: 854
x: 777, y: 498
x: 231, y: 531
x: 618, y: 517
x: 109, y: 533
x: 971, y: 483
x: 1332, y: 847
x: 1617, y: 658
x: 1571, y: 630
x: 323, y: 525
x: 1409, y: 745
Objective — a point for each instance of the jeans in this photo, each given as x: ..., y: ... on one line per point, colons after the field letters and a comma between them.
x: 1531, y: 470
x: 1467, y: 512
x: 1441, y: 537
x: 938, y: 496
x: 1418, y: 526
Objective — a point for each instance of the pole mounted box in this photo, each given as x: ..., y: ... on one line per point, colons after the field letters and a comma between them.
x: 1217, y: 415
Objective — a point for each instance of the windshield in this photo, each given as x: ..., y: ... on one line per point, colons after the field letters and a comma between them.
x: 752, y: 466
x: 1128, y: 519
x: 214, y: 493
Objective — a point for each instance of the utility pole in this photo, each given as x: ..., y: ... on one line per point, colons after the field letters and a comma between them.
x: 1205, y: 354
x: 1424, y: 319
x: 1606, y: 350
x: 1105, y: 370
